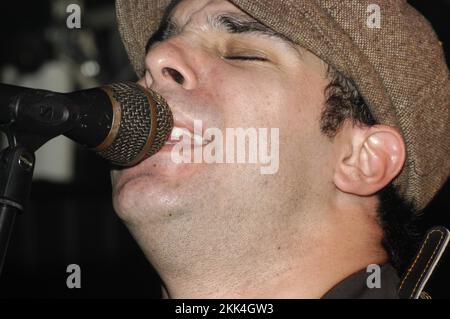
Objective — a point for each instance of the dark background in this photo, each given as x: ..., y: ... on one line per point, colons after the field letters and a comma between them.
x: 72, y: 221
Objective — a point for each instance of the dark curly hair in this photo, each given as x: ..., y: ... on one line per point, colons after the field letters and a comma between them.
x: 396, y: 216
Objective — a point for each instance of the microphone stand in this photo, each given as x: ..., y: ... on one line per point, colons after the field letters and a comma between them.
x: 16, y: 173
x: 29, y: 121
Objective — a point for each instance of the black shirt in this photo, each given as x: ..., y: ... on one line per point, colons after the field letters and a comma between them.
x: 355, y: 286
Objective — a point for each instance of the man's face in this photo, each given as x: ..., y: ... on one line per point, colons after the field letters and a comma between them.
x: 221, y: 67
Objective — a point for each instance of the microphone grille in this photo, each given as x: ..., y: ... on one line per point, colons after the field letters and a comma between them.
x: 142, y: 124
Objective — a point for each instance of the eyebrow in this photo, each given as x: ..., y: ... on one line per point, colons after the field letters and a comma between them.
x: 229, y: 22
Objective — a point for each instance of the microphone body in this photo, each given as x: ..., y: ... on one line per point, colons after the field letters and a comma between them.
x: 122, y: 122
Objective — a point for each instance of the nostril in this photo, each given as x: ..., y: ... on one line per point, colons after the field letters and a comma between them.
x: 176, y: 76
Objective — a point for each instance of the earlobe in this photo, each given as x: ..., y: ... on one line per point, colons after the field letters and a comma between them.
x: 378, y: 156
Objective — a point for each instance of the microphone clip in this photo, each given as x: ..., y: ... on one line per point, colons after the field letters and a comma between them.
x: 29, y: 121
x: 37, y: 117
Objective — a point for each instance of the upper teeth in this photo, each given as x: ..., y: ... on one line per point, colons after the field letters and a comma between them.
x: 188, y: 136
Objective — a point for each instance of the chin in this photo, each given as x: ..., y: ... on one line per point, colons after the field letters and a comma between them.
x: 154, y: 186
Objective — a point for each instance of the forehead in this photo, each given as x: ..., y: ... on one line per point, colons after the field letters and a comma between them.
x: 197, y: 11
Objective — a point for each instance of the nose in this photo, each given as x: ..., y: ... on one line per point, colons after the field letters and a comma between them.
x: 168, y: 65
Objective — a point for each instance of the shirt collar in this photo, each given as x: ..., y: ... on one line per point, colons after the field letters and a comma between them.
x: 356, y: 285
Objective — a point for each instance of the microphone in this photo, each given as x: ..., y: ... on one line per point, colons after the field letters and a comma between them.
x: 123, y: 122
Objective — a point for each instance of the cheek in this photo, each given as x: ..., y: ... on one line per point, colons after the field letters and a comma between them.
x: 249, y: 98
x: 291, y: 102
x: 303, y: 148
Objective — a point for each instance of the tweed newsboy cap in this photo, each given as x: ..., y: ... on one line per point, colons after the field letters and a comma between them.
x: 398, y: 68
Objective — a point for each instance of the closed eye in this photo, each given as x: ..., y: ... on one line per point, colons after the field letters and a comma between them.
x: 246, y: 58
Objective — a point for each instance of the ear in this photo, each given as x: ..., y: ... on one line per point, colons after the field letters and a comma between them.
x: 369, y: 158
x: 142, y: 81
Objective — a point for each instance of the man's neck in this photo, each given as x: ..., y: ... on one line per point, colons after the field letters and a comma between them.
x: 302, y: 269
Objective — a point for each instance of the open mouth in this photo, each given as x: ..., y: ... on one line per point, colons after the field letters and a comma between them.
x: 186, y: 137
